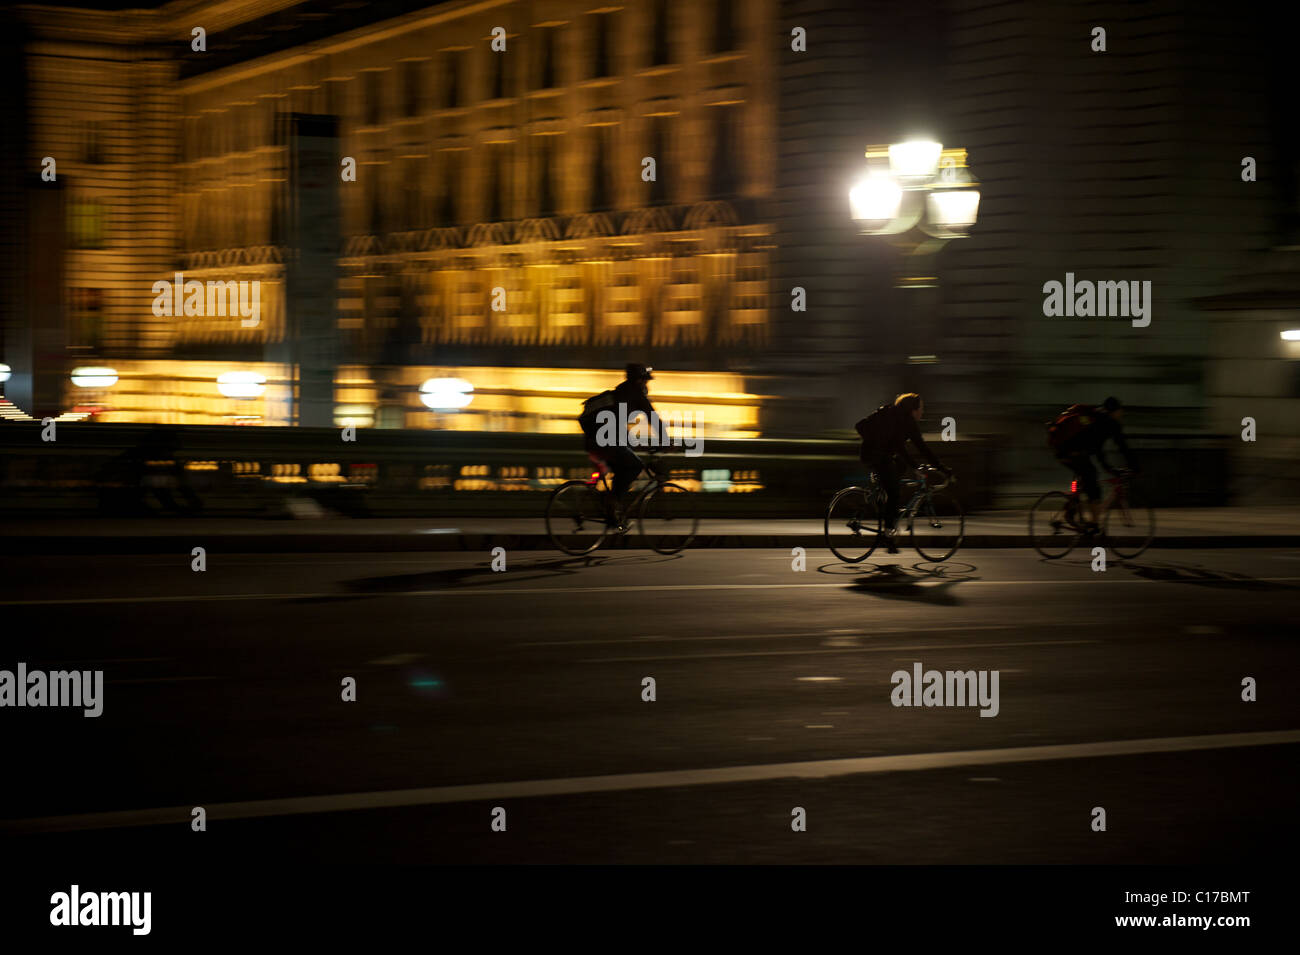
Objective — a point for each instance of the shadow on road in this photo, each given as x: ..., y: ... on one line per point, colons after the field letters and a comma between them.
x: 1184, y: 574
x: 482, y: 574
x: 924, y: 581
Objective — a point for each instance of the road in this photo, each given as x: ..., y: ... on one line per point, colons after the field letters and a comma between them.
x: 522, y: 689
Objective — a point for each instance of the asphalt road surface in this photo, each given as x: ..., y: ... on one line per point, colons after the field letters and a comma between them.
x: 523, y: 689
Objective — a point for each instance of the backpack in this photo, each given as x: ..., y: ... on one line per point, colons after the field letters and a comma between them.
x: 593, y: 406
x: 1069, y: 424
x: 869, y: 428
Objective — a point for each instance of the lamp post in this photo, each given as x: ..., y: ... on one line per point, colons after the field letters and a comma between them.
x: 921, y: 196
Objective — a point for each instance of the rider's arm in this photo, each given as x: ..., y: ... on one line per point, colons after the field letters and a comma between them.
x: 640, y: 405
x: 914, y: 435
x: 1123, y: 448
x: 1116, y: 434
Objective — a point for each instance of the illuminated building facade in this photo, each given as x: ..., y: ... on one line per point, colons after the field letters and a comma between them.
x: 515, y: 176
x: 502, y: 224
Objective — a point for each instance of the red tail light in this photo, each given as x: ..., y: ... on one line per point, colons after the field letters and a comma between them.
x: 1074, y: 487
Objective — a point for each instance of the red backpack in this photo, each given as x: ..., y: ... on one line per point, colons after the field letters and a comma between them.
x: 1069, y: 423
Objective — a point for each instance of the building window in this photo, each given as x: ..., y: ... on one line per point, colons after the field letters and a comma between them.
x: 333, y: 97
x: 411, y: 212
x: 411, y: 87
x: 546, y: 64
x: 602, y: 63
x: 373, y: 92
x: 724, y: 26
x: 659, y: 150
x: 86, y: 226
x: 276, y: 202
x: 724, y: 176
x: 452, y: 70
x: 546, y: 205
x: 375, y: 224
x: 498, y: 76
x: 659, y: 35
x: 448, y: 207
x: 94, y: 154
x: 601, y: 189
x: 496, y: 183
x: 85, y: 330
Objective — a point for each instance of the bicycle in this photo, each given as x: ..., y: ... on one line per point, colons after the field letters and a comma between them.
x: 1128, y: 524
x: 577, y: 513
x: 935, y: 520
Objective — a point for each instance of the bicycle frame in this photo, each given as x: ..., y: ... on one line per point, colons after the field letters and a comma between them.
x: 1116, y: 495
x: 923, y: 491
x: 600, y: 482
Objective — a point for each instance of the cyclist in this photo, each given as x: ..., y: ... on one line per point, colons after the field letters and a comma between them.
x: 625, y: 402
x: 885, y: 433
x: 1077, y: 434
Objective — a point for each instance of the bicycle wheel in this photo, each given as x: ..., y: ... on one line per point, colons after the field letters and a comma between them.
x: 938, y: 526
x: 853, y: 525
x: 667, y: 518
x: 575, y: 518
x: 1129, y: 525
x: 1051, y: 528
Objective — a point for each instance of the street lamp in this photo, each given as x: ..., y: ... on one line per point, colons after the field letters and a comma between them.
x: 446, y: 394
x: 95, y: 377
x: 241, y: 384
x: 921, y: 195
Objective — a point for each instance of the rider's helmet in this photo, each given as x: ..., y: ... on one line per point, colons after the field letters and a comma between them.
x: 1111, y: 404
x: 638, y: 372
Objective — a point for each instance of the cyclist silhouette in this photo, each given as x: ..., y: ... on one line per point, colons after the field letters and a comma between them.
x: 885, y: 433
x: 1079, y: 433
x: 607, y: 446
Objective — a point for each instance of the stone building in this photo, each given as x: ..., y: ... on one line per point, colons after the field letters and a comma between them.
x: 520, y: 168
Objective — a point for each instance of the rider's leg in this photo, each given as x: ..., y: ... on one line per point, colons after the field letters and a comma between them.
x: 1080, y: 465
x: 601, y: 458
x: 1088, y: 484
x: 887, y: 470
x: 626, y: 467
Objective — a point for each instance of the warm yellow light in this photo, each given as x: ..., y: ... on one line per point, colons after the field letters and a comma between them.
x: 954, y: 208
x: 94, y: 377
x: 241, y: 384
x: 354, y: 415
x: 446, y: 394
x: 916, y: 159
x: 876, y: 197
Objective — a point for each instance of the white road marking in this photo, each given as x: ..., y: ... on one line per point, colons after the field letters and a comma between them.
x: 814, y: 769
x: 162, y: 679
x: 489, y: 590
x: 772, y: 636
x: 790, y: 653
x: 396, y: 660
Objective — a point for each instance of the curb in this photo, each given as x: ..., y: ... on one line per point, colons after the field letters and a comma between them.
x: 291, y: 543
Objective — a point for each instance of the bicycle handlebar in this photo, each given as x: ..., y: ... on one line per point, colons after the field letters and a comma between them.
x: 949, y: 478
